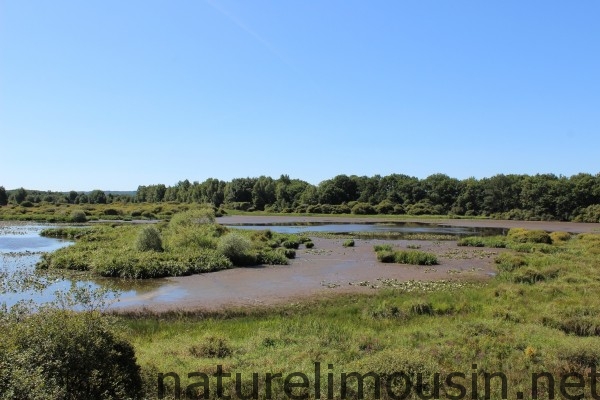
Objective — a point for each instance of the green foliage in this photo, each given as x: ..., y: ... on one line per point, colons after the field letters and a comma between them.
x: 521, y: 235
x: 363, y: 209
x: 3, y: 196
x: 292, y: 243
x: 559, y: 237
x: 149, y: 239
x: 272, y: 257
x: 309, y: 245
x: 78, y: 216
x: 386, y: 254
x: 510, y: 262
x: 348, y: 243
x: 235, y: 247
x: 55, y: 354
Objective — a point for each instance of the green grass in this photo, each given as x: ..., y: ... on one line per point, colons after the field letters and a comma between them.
x: 539, y: 314
x: 190, y: 245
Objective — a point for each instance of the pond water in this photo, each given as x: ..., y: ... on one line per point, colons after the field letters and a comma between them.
x: 21, y: 247
x: 399, y: 227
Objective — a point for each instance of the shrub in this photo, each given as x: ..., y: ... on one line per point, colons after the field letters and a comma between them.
x: 26, y: 203
x: 57, y: 354
x: 149, y: 240
x: 78, y: 216
x: 521, y: 235
x: 291, y: 243
x: 235, y: 247
x: 558, y: 237
x: 272, y: 257
x: 288, y: 253
x: 348, y: 243
x: 385, y: 207
x: 363, y: 209
x: 309, y: 245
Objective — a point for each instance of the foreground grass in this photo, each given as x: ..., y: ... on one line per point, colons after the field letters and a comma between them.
x: 538, y: 315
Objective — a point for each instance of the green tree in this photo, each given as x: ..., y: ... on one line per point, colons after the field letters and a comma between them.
x: 19, y: 195
x: 97, y: 197
x: 3, y: 196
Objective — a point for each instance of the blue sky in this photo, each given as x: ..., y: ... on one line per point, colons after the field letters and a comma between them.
x: 114, y: 94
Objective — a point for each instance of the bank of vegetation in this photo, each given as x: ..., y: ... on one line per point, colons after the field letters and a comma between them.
x: 191, y: 242
x: 520, y: 197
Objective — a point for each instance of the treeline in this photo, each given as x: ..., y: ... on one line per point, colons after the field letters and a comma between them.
x: 523, y: 197
x: 28, y: 198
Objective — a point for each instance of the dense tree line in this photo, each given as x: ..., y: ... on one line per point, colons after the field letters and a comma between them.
x: 26, y: 197
x: 528, y: 197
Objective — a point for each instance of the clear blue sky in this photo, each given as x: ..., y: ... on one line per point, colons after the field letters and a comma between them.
x: 112, y: 94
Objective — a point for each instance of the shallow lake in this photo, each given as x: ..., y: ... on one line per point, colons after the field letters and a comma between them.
x: 399, y: 227
x: 21, y: 247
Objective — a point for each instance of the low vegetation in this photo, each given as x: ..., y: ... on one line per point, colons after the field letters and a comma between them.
x: 386, y: 254
x: 534, y: 317
x: 190, y: 243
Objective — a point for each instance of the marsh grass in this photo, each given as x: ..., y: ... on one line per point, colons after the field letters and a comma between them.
x: 190, y: 243
x: 538, y: 315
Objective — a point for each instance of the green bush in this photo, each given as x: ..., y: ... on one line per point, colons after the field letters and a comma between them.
x: 149, y: 240
x: 235, y: 247
x: 288, y: 253
x: 78, y: 216
x: 291, y: 243
x: 348, y: 243
x: 272, y: 257
x: 309, y: 245
x: 57, y: 354
x: 559, y: 237
x: 363, y: 209
x: 521, y: 235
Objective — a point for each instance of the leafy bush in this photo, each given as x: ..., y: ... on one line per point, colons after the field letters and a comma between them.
x: 56, y: 354
x: 521, y: 235
x: 272, y: 257
x: 288, y: 253
x: 385, y: 207
x: 78, y: 216
x: 348, y: 243
x: 235, y: 247
x: 559, y: 236
x: 309, y: 245
x: 363, y: 209
x: 26, y: 203
x: 149, y: 240
x: 589, y: 214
